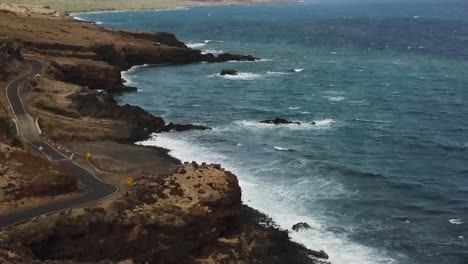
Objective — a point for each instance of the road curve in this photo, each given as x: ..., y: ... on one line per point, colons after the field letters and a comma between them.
x: 97, y: 189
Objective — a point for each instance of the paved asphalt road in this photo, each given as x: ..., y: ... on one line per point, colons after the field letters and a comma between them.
x: 97, y: 189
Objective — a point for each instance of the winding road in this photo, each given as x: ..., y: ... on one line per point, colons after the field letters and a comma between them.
x: 30, y: 134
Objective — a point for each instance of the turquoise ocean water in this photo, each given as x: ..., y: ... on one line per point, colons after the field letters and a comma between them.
x: 382, y: 177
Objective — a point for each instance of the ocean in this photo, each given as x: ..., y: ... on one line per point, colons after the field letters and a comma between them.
x: 382, y: 175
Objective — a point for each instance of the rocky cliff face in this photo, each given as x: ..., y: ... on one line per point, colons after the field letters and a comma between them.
x: 194, y: 215
x: 6, y: 126
x: 164, y: 38
x: 88, y: 73
x: 9, y: 53
x: 77, y: 109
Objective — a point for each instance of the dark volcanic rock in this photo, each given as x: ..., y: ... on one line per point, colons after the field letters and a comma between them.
x: 277, y: 241
x: 179, y: 128
x: 100, y: 105
x: 94, y: 76
x: 320, y: 254
x: 301, y: 226
x: 142, y: 123
x: 229, y: 72
x: 234, y: 57
x: 9, y: 51
x: 165, y: 38
x: 279, y: 121
x: 227, y: 57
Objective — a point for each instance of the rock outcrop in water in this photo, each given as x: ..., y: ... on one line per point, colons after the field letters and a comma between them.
x: 282, y: 121
x: 157, y: 38
x: 179, y: 128
x: 301, y: 226
x: 228, y: 72
x: 279, y: 121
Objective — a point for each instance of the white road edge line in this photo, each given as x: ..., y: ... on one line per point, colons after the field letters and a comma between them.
x: 9, y: 85
x: 77, y: 164
x: 37, y: 126
x: 56, y: 211
x: 17, y: 127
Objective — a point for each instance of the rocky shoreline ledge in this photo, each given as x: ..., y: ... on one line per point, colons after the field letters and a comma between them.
x: 173, y: 212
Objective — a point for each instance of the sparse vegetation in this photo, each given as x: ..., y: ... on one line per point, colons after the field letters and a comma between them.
x: 92, y: 5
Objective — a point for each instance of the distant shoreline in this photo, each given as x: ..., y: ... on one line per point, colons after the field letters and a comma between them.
x: 68, y: 7
x: 76, y: 14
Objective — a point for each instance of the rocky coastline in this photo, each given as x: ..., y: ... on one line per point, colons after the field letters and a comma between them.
x: 172, y: 212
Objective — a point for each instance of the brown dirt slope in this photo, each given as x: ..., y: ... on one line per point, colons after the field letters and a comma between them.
x: 24, y: 175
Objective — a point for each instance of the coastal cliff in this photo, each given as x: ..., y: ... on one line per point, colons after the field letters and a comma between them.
x: 171, y: 212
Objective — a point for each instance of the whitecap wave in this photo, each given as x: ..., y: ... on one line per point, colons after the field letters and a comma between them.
x: 335, y: 98
x: 213, y: 41
x: 456, y: 221
x: 79, y: 18
x: 241, y: 76
x: 281, y: 148
x: 212, y: 51
x: 359, y: 102
x: 195, y: 45
x: 278, y: 73
x: 127, y: 75
x: 371, y: 121
x: 280, y: 201
x: 304, y: 125
x: 299, y: 70
x: 294, y: 107
x: 259, y: 60
x: 324, y: 122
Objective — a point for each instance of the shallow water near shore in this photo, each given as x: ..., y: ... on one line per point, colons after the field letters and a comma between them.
x: 382, y: 176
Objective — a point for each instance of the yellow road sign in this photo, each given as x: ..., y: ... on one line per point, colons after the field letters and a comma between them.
x: 129, y: 181
x: 88, y: 155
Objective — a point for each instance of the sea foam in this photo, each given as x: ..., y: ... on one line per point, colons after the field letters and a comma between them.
x: 336, y: 98
x: 279, y: 201
x: 212, y: 51
x: 196, y: 45
x: 128, y: 75
x: 305, y: 125
x: 281, y: 148
x: 241, y: 76
x: 456, y: 221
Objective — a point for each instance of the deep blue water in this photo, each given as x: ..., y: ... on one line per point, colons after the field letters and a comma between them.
x: 383, y: 175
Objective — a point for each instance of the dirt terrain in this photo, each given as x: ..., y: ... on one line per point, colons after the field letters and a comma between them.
x: 110, y: 5
x: 192, y: 215
x: 26, y: 179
